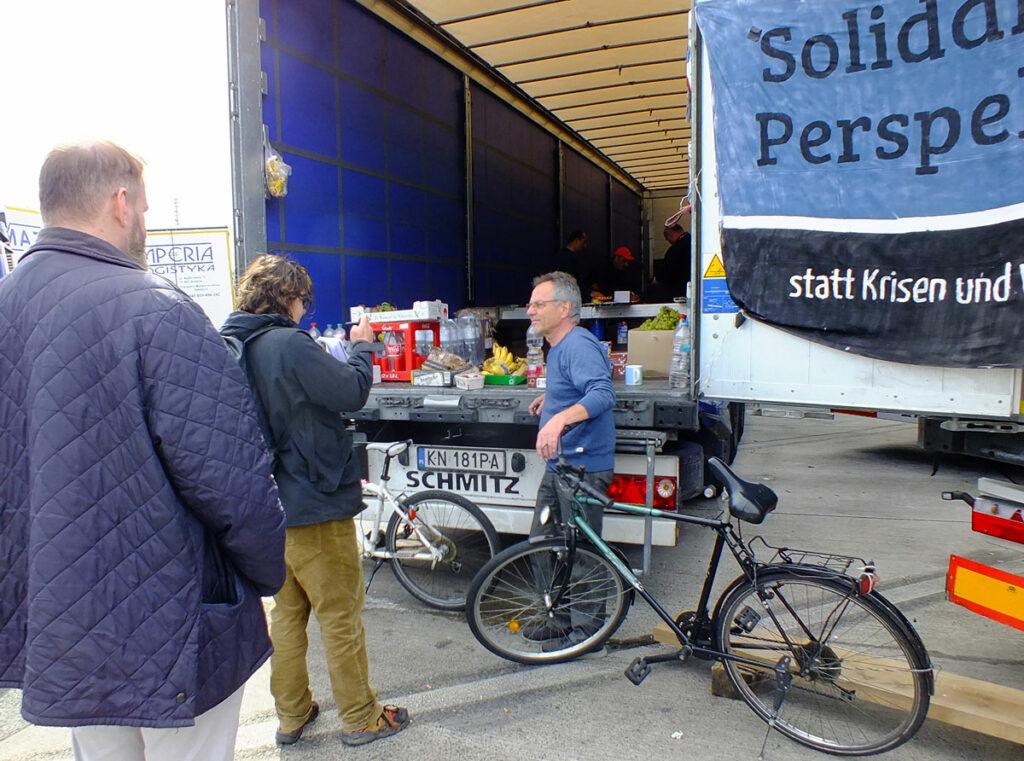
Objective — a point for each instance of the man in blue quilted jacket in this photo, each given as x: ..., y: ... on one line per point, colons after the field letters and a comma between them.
x: 139, y: 522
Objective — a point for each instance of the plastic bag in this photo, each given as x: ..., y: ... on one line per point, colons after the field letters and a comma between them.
x: 276, y: 171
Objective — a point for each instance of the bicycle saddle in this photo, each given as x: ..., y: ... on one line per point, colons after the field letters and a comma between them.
x: 390, y: 448
x: 748, y: 501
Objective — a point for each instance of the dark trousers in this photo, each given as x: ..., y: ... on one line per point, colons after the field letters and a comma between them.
x: 584, y: 617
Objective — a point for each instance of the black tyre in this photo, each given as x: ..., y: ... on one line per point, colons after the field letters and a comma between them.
x: 462, y: 540
x: 507, y: 603
x: 860, y: 677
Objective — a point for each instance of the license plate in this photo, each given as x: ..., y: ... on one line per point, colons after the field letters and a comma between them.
x: 461, y: 460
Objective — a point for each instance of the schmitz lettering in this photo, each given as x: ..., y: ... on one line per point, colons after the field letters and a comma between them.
x: 477, y: 483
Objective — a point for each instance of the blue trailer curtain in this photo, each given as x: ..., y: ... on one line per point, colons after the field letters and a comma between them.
x: 627, y: 226
x: 372, y: 126
x: 585, y: 207
x: 515, y: 201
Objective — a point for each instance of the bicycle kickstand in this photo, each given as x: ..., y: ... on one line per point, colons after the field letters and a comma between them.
x: 783, y: 681
x: 376, y: 567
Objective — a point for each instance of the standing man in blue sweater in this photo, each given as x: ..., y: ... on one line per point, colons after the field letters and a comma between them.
x: 579, y: 390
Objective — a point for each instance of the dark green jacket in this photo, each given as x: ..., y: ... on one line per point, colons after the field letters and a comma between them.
x: 303, y: 391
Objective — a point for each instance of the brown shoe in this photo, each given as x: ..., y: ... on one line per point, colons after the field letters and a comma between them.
x: 391, y: 721
x: 290, y: 738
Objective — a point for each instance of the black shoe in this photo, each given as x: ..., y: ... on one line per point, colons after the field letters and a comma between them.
x: 290, y: 738
x: 570, y: 639
x: 544, y: 631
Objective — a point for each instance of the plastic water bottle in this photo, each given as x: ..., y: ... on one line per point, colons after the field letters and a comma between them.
x: 679, y: 372
x: 534, y: 356
x: 449, y: 336
x: 472, y: 336
x: 313, y: 332
x: 330, y: 332
x: 424, y: 342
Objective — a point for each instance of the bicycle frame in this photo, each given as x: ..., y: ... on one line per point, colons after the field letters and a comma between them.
x: 726, y: 536
x: 370, y: 548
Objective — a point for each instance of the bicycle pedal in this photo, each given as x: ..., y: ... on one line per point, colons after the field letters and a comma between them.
x: 637, y: 671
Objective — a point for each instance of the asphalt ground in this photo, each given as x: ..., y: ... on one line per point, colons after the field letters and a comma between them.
x: 849, y: 486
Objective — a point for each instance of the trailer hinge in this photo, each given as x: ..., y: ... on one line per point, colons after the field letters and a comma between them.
x: 502, y: 404
x: 233, y: 100
x: 394, y: 401
x: 632, y: 405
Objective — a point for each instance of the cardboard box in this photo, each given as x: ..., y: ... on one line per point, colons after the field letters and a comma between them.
x: 421, y: 310
x: 653, y: 350
x: 469, y: 381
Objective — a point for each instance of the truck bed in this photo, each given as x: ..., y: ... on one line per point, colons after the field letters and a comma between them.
x: 653, y: 405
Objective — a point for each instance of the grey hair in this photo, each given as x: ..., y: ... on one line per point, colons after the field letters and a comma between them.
x: 76, y: 180
x: 566, y: 289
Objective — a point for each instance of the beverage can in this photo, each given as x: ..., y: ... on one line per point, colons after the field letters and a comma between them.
x: 634, y: 375
x: 622, y: 333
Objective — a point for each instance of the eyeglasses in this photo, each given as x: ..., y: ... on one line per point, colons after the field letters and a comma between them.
x: 306, y: 301
x: 542, y: 303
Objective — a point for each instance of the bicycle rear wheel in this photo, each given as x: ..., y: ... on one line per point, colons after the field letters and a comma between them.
x: 512, y: 602
x: 458, y: 532
x: 860, y: 675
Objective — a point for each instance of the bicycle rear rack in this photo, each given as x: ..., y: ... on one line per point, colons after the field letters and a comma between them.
x: 838, y: 563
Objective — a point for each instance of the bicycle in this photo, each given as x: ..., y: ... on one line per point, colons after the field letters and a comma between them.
x: 435, y: 541
x: 816, y: 653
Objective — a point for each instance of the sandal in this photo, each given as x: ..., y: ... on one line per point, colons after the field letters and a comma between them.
x: 290, y: 738
x: 392, y: 720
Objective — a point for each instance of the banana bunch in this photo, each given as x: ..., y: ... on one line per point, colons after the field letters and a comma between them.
x: 503, y: 362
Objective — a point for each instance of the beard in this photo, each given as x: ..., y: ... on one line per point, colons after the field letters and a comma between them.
x: 137, y: 242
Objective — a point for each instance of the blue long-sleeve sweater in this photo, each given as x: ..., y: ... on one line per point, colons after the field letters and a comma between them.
x: 579, y: 373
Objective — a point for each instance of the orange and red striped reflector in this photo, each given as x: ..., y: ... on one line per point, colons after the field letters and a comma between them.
x: 987, y: 591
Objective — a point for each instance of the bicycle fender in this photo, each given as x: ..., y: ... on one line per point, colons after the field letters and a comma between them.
x: 912, y: 635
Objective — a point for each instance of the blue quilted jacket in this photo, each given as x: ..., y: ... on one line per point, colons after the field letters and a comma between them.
x: 139, y: 523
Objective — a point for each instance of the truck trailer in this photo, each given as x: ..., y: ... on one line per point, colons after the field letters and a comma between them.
x: 420, y: 171
x: 444, y: 150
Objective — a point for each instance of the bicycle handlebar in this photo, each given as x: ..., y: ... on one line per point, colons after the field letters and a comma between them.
x: 573, y: 478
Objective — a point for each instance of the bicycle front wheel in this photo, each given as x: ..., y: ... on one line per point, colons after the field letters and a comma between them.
x: 859, y: 674
x: 442, y: 545
x: 515, y: 611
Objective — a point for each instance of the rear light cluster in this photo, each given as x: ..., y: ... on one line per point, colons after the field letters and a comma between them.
x: 633, y: 490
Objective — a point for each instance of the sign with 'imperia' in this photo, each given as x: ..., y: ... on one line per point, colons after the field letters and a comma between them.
x: 869, y: 162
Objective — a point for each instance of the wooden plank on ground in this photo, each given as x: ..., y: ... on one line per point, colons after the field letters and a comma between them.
x: 991, y: 709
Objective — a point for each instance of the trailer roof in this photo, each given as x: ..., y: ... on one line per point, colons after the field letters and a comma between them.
x: 613, y: 73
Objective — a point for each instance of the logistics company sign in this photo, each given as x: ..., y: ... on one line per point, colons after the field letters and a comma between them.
x: 20, y: 227
x: 198, y: 261
x: 871, y: 171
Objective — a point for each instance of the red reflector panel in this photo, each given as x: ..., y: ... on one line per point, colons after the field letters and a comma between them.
x: 1004, y: 524
x: 859, y: 413
x: 633, y: 491
x: 987, y: 591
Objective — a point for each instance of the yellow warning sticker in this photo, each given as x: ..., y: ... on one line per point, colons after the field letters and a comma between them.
x: 716, y: 268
